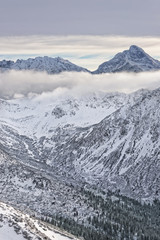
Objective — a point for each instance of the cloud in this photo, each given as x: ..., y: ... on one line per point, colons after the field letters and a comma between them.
x: 15, y: 84
x: 76, y: 48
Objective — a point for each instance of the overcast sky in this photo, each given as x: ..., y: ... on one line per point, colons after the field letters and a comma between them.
x: 86, y: 32
x: 119, y: 17
x: 84, y: 50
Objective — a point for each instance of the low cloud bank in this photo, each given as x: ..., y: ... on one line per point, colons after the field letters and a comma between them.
x: 15, y: 84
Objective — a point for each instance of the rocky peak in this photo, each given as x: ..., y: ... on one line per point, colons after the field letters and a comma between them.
x: 133, y: 60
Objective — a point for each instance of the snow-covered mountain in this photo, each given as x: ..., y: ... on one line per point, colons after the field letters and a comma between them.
x: 48, y: 64
x: 133, y: 60
x: 4, y: 64
x: 108, y: 139
x: 58, y: 156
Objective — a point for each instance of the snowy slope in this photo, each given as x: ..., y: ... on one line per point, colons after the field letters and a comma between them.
x: 38, y: 117
x: 132, y: 60
x: 107, y: 139
x: 122, y: 151
x: 51, y: 149
x: 14, y: 225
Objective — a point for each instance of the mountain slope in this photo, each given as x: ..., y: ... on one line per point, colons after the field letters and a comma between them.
x: 15, y: 225
x: 122, y: 151
x: 71, y: 169
x: 48, y: 64
x: 38, y: 117
x: 132, y: 60
x: 112, y: 144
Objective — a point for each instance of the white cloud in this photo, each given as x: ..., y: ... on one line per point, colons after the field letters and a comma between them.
x: 26, y: 83
x: 88, y: 51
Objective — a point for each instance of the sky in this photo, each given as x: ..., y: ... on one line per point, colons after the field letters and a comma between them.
x: 86, y: 32
x: 70, y: 17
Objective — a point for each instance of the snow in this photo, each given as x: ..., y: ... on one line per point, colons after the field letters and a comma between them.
x: 31, y: 115
x: 8, y: 233
x: 124, y: 169
x: 12, y: 218
x: 52, y: 235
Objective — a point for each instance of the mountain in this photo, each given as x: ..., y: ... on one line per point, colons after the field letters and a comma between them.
x: 110, y: 140
x: 6, y: 64
x: 133, y: 60
x: 48, y: 64
x: 82, y: 162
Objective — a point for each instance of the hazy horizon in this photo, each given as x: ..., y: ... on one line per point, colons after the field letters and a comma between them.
x: 88, y: 51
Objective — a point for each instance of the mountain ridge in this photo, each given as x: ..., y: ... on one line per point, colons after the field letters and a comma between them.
x: 73, y: 159
x: 48, y: 64
x: 133, y: 60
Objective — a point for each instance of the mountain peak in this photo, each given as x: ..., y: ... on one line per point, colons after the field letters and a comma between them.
x: 133, y: 60
x: 134, y: 48
x: 137, y: 52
